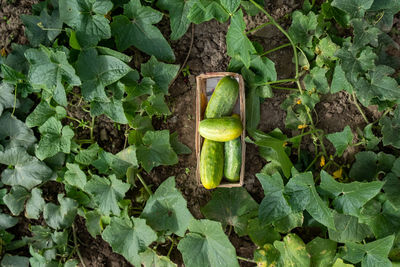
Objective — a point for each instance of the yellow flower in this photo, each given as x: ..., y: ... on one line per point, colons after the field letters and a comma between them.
x: 3, y: 52
x: 302, y: 126
x: 298, y: 102
x: 338, y: 174
x: 284, y: 144
x: 322, y: 162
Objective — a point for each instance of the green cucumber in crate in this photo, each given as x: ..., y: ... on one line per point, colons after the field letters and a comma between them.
x: 223, y: 99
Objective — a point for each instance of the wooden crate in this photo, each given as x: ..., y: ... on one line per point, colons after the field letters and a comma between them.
x: 201, y: 81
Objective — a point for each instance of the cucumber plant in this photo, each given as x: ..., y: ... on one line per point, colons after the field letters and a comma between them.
x: 80, y: 57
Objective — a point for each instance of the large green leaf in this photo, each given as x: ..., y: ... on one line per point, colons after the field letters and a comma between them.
x: 28, y: 171
x: 151, y: 258
x: 238, y: 45
x: 391, y: 187
x: 322, y: 252
x: 207, y: 245
x: 6, y: 97
x: 60, y: 216
x: 364, y: 34
x: 339, y: 81
x: 87, y: 18
x: 49, y: 69
x: 341, y: 140
x: 303, y: 28
x: 261, y: 234
x: 136, y: 28
x: 14, y: 261
x: 55, y: 138
x: 371, y: 254
x: 14, y: 133
x: 108, y: 163
x: 75, y: 176
x: 274, y: 206
x: 348, y: 229
x: 390, y: 129
x: 349, y: 197
x: 303, y: 195
x: 293, y: 251
x: 355, y: 8
x: 159, y: 72
x: 43, y: 112
x: 89, y: 155
x: 252, y: 109
x: 113, y: 108
x: 15, y: 199
x: 106, y: 192
x: 178, y: 11
x: 129, y: 237
x: 205, y: 10
x: 104, y: 70
x: 156, y: 150
x: 231, y: 206
x: 167, y: 203
x: 35, y: 204
x: 316, y: 81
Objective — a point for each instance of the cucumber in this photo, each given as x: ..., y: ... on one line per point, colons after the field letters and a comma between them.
x: 211, y: 163
x: 233, y: 159
x: 221, y: 129
x: 223, y: 99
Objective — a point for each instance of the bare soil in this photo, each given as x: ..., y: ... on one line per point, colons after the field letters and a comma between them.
x: 208, y: 54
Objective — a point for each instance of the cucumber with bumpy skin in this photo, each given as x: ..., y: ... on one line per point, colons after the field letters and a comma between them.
x: 223, y: 99
x: 233, y: 159
x: 221, y: 129
x: 211, y: 163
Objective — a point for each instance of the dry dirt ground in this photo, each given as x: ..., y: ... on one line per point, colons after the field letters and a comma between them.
x: 208, y: 54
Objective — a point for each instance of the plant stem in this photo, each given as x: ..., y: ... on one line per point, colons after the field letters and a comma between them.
x: 313, y: 162
x: 303, y: 134
x: 359, y: 108
x: 92, y: 128
x: 279, y: 81
x: 245, y: 259
x: 283, y: 88
x: 144, y: 184
x: 15, y: 100
x: 275, y: 49
x: 230, y: 230
x: 172, y: 246
x: 259, y: 27
x: 76, y: 245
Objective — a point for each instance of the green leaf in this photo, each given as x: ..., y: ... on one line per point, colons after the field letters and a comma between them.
x: 354, y: 63
x: 151, y: 258
x: 155, y: 105
x: 129, y: 155
x: 55, y: 138
x: 322, y: 252
x: 14, y: 261
x: 371, y: 140
x: 326, y: 52
x: 364, y: 34
x: 43, y: 112
x: 6, y: 97
x: 267, y: 256
x: 339, y: 263
x: 75, y: 176
x: 316, y: 80
x: 136, y: 28
x: 178, y: 147
x: 89, y: 155
x: 391, y: 187
x: 129, y: 237
x: 178, y: 11
x: 349, y: 229
x: 231, y: 206
x: 14, y: 133
x: 381, y: 87
x: 156, y: 150
x: 113, y: 109
x: 93, y: 223
x: 341, y: 140
x: 159, y: 72
x: 289, y: 222
x: 49, y: 69
x: 207, y: 245
x: 7, y: 221
x: 15, y: 199
x: 261, y: 234
x: 205, y: 10
x: 349, y: 197
x: 274, y: 205
x: 301, y: 189
x: 41, y: 34
x: 108, y: 163
x: 371, y: 254
x: 277, y: 144
x: 365, y: 167
x: 230, y: 5
x: 60, y: 216
x: 303, y: 28
x: 252, y: 109
x: 106, y: 192
x: 293, y: 251
x: 104, y: 71
x: 28, y: 171
x: 390, y: 129
x: 87, y: 18
x: 35, y: 204
x: 168, y: 203
x: 355, y: 8
x: 110, y: 52
x: 238, y: 45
